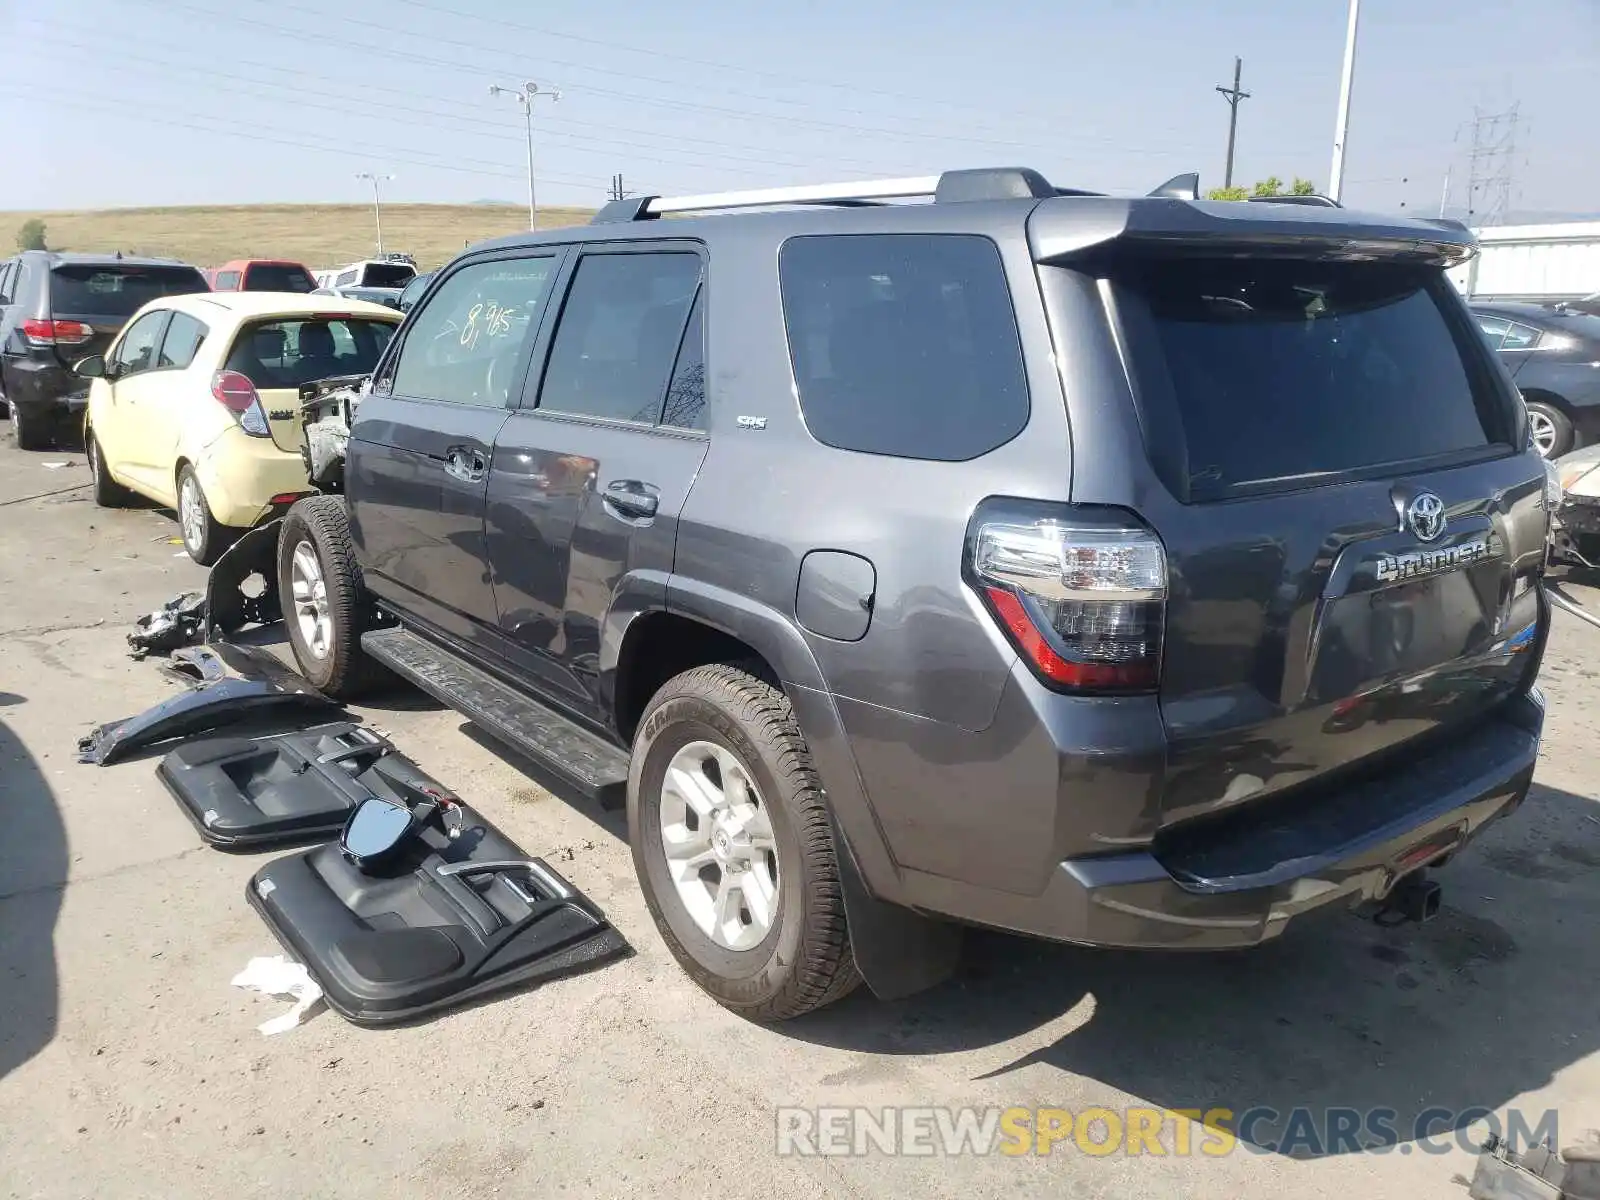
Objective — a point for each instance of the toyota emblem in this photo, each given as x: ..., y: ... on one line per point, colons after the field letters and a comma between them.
x: 1425, y: 515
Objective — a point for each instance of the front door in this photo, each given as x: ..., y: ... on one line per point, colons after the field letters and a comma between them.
x: 591, y: 472
x: 130, y: 420
x: 421, y: 441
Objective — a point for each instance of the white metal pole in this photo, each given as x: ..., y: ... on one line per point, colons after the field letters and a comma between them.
x: 1444, y: 196
x: 1342, y: 131
x: 533, y: 207
x: 377, y: 214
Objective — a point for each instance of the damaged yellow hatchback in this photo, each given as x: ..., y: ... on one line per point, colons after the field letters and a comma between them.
x: 196, y: 405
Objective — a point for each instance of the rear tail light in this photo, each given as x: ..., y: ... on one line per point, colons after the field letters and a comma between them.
x: 56, y: 333
x: 1081, y: 595
x: 238, y: 395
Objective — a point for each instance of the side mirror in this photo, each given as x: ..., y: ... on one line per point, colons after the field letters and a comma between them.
x: 93, y: 367
x: 375, y: 831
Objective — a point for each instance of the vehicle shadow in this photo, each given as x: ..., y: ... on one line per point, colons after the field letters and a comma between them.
x: 33, y: 872
x: 1482, y: 1005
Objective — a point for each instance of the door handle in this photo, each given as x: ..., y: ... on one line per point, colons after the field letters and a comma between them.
x: 632, y: 498
x: 466, y: 463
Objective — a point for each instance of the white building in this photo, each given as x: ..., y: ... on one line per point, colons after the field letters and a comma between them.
x: 1533, y: 262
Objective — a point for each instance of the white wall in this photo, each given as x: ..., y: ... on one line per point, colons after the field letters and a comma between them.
x: 1534, y: 261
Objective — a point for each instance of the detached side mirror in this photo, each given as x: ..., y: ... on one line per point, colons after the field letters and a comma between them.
x: 93, y: 367
x: 375, y: 832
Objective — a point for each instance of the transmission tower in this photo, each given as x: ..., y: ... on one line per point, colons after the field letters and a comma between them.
x: 1490, y: 165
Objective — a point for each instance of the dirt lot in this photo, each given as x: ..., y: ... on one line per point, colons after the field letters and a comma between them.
x: 130, y: 1067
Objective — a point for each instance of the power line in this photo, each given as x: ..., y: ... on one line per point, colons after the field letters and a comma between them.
x: 584, y: 145
x: 1233, y: 95
x: 295, y: 32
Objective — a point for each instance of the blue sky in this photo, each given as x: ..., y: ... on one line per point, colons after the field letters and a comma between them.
x: 130, y: 102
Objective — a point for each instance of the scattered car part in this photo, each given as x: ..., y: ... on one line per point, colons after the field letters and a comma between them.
x: 194, y: 666
x: 455, y: 920
x: 1537, y: 1173
x: 1567, y: 604
x: 257, y: 685
x: 228, y: 606
x: 1575, y: 523
x: 176, y: 623
x: 244, y: 793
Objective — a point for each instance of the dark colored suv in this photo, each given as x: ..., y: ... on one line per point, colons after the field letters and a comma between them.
x: 1553, y: 355
x: 57, y: 309
x: 1124, y: 571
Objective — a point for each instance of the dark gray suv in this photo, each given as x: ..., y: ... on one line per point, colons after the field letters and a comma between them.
x: 1124, y: 571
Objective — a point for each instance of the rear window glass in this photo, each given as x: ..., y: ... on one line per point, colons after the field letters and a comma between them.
x: 1270, y: 371
x: 80, y: 289
x: 387, y: 275
x: 277, y: 277
x: 904, y: 344
x: 285, y: 354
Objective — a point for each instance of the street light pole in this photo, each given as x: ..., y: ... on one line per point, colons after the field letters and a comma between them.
x: 1341, y: 133
x: 377, y: 210
x: 526, y: 95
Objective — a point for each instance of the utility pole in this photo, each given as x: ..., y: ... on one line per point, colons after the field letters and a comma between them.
x: 377, y: 209
x: 617, y: 192
x: 526, y: 94
x: 1341, y: 131
x: 1233, y: 95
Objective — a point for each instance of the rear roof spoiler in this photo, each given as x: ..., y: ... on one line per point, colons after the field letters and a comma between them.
x: 1059, y: 232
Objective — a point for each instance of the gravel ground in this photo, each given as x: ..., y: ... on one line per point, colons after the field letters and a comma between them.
x: 129, y: 1066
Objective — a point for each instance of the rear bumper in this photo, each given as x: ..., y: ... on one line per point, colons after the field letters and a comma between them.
x: 241, y: 474
x: 45, y: 386
x: 1239, y: 882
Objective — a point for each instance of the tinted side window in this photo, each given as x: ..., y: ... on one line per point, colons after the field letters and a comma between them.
x: 619, y: 334
x: 904, y: 344
x: 182, y: 342
x: 227, y: 281
x: 1520, y: 337
x: 1494, y: 329
x: 8, y: 273
x: 464, y: 344
x: 686, y: 394
x: 137, y: 350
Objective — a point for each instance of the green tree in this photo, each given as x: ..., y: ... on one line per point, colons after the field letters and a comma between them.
x: 30, y: 236
x: 1270, y: 186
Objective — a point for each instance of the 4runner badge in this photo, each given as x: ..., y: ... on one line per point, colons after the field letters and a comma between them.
x: 1396, y: 568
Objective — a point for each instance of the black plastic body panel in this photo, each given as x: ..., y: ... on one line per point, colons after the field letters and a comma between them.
x: 454, y: 920
x: 260, y: 686
x: 245, y: 793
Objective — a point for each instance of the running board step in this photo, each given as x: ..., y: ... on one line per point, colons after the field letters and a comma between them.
x: 587, y: 762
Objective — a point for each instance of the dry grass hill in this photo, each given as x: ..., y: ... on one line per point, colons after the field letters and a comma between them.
x: 319, y: 235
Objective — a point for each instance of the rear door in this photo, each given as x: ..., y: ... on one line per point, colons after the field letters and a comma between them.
x: 421, y: 442
x: 1352, y: 530
x: 591, y: 473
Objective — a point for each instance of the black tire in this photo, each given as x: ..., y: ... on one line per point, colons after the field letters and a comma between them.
x: 30, y: 429
x: 1559, y: 424
x: 108, y: 493
x: 804, y: 962
x: 339, y: 669
x: 206, y: 542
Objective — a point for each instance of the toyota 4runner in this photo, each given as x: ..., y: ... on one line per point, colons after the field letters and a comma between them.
x: 1124, y: 571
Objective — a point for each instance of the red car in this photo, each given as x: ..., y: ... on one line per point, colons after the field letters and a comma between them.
x: 261, y: 275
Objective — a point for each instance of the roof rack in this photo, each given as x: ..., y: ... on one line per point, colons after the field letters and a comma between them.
x: 989, y: 183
